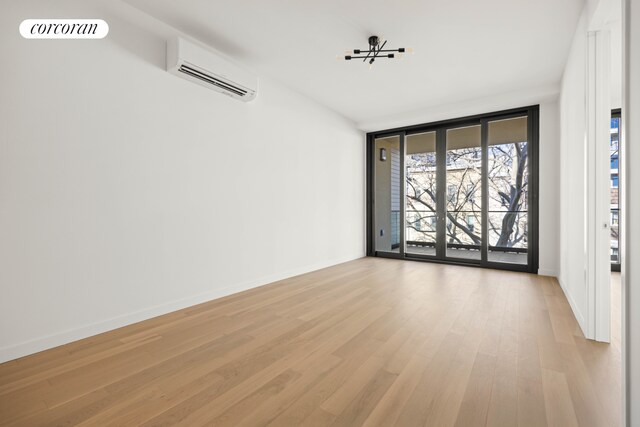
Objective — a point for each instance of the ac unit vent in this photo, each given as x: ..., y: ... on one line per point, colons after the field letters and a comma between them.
x: 209, y: 69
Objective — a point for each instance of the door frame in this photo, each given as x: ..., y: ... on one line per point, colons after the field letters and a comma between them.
x: 371, y: 191
x: 532, y: 112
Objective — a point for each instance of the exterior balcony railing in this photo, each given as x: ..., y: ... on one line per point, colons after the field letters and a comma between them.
x: 420, y: 225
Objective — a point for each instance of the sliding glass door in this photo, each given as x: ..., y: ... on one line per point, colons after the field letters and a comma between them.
x: 463, y: 184
x: 461, y: 191
x: 421, y: 219
x: 388, y: 195
x: 508, y: 190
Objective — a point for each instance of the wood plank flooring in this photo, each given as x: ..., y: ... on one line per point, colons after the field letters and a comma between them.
x: 372, y: 342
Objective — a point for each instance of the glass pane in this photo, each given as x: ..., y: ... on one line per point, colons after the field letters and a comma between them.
x: 508, y: 179
x: 387, y: 194
x: 615, y: 212
x: 463, y: 193
x: 420, y: 224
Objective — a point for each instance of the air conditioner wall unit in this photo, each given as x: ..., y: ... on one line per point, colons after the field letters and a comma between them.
x: 209, y: 69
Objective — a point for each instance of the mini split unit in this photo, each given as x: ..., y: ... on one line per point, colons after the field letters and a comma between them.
x: 195, y: 63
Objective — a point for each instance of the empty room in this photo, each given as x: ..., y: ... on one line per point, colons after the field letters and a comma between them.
x: 319, y: 213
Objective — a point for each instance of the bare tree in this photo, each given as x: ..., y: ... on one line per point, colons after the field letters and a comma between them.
x: 508, y: 184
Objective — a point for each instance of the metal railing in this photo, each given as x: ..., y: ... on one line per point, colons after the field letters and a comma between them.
x: 467, y: 246
x: 615, y: 236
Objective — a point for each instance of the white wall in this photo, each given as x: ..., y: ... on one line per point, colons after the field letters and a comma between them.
x: 572, y: 176
x: 126, y: 192
x: 616, y: 64
x: 549, y: 188
x: 597, y: 15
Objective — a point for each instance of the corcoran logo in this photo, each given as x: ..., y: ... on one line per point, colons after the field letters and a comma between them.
x: 64, y: 28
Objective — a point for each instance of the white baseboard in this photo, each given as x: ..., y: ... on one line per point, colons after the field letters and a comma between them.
x: 574, y: 307
x: 26, y: 348
x: 545, y: 272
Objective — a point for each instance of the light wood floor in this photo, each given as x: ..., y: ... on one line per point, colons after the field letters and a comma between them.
x: 369, y: 342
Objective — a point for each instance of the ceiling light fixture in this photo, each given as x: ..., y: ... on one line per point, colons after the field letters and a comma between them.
x: 376, y: 50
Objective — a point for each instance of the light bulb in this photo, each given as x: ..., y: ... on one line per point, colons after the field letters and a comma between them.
x: 348, y: 52
x: 410, y: 50
x: 400, y: 55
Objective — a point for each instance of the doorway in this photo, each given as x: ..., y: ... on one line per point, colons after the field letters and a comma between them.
x: 614, y: 162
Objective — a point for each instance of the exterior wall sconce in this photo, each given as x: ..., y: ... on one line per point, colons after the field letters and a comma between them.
x: 383, y: 154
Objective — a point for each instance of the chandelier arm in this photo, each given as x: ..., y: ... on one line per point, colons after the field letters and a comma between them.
x: 363, y: 51
x: 365, y: 57
x: 368, y: 53
x: 379, y: 50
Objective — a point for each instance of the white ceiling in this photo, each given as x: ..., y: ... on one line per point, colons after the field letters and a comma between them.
x: 464, y: 49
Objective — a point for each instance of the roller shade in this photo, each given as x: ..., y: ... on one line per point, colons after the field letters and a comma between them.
x: 466, y: 137
x: 508, y: 131
x: 421, y: 143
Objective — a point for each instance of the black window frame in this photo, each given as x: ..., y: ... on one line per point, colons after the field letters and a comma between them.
x: 533, y: 119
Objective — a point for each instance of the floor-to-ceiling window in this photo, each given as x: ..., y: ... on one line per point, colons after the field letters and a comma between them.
x: 387, y: 194
x: 508, y: 187
x: 459, y: 191
x: 421, y: 194
x: 463, y: 198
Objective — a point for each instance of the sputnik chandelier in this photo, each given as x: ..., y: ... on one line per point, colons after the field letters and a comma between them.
x: 376, y: 50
